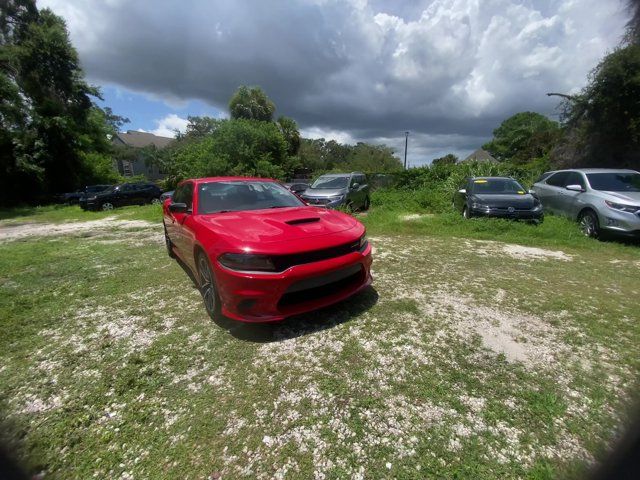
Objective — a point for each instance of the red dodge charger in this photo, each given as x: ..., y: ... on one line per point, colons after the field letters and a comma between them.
x: 259, y: 253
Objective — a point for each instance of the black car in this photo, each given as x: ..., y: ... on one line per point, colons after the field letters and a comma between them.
x: 501, y: 197
x: 74, y: 197
x: 297, y: 187
x: 121, y: 195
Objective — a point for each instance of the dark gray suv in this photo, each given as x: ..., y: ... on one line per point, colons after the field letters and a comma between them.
x: 339, y: 189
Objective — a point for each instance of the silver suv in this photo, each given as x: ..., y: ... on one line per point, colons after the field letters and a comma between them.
x: 339, y: 189
x: 600, y: 199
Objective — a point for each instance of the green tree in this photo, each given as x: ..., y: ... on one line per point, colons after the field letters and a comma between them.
x: 200, y: 126
x: 48, y: 121
x: 603, y: 121
x: 448, y: 159
x: 289, y: 129
x: 251, y: 103
x: 372, y: 159
x: 235, y: 147
x: 523, y: 137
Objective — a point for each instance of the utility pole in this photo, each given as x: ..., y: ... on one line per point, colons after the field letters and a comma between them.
x: 406, y: 142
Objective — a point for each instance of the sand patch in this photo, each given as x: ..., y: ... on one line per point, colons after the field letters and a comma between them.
x: 16, y: 232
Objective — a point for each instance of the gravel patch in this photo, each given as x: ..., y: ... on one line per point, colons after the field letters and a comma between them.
x: 17, y: 232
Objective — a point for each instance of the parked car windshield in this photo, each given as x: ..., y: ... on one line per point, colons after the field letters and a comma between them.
x: 615, y: 182
x: 97, y: 188
x: 330, y: 182
x: 506, y: 186
x: 218, y: 197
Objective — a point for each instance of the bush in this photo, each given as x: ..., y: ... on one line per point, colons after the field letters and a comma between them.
x: 431, y: 188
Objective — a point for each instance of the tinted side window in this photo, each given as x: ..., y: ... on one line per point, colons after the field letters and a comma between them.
x: 178, y: 194
x: 574, y: 178
x: 557, y: 179
x: 184, y: 194
x: 542, y: 177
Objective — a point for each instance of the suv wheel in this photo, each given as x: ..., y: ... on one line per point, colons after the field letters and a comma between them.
x: 589, y: 224
x: 465, y: 212
x: 107, y: 206
x: 367, y: 204
x: 156, y: 201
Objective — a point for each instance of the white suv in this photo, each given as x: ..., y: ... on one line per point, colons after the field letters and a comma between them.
x: 600, y: 199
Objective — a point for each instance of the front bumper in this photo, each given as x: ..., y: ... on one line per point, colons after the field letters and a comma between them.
x: 89, y: 205
x: 324, y: 202
x: 620, y: 223
x: 269, y: 297
x: 505, y: 213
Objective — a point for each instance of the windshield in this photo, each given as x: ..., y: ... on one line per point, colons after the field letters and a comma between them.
x: 97, y: 188
x: 330, y: 182
x: 615, y: 182
x: 218, y: 197
x: 497, y: 186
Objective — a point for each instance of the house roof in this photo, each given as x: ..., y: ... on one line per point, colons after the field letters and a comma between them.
x: 480, y: 155
x: 137, y: 139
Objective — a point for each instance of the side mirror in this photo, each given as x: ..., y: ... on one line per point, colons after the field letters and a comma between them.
x: 575, y: 188
x: 178, y: 208
x: 462, y: 190
x: 354, y: 186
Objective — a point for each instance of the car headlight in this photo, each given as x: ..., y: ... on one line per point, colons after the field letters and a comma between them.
x: 537, y: 206
x: 480, y: 206
x: 247, y: 262
x: 622, y: 207
x: 92, y: 198
x: 336, y: 198
x: 362, y: 243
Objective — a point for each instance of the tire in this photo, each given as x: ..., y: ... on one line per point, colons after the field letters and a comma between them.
x: 106, y: 206
x: 207, y: 286
x: 155, y: 201
x: 367, y: 203
x: 168, y: 243
x: 465, y: 212
x: 589, y: 224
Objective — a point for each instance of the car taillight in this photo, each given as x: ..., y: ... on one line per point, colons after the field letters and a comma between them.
x: 247, y: 262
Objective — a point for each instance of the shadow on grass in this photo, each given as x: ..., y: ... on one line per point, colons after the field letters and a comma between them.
x: 297, y: 325
x: 304, y: 324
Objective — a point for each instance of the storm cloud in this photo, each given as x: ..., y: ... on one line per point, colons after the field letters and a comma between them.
x: 449, y: 71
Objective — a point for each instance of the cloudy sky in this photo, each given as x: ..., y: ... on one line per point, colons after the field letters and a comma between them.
x: 448, y: 71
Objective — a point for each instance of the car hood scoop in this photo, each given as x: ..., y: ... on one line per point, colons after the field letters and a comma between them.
x: 299, y: 221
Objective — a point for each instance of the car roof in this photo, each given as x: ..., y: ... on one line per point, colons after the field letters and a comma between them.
x: 595, y: 170
x: 228, y: 179
x: 491, y: 178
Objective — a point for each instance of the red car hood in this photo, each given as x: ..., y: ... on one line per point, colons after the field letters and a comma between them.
x: 277, y: 225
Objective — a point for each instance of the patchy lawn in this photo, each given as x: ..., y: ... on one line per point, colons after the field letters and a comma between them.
x: 468, y: 358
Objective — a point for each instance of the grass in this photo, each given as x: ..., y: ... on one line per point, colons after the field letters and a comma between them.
x: 466, y: 360
x: 71, y: 213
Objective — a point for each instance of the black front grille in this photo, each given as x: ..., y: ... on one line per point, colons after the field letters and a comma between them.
x: 282, y: 262
x: 295, y: 295
x: 317, y: 200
